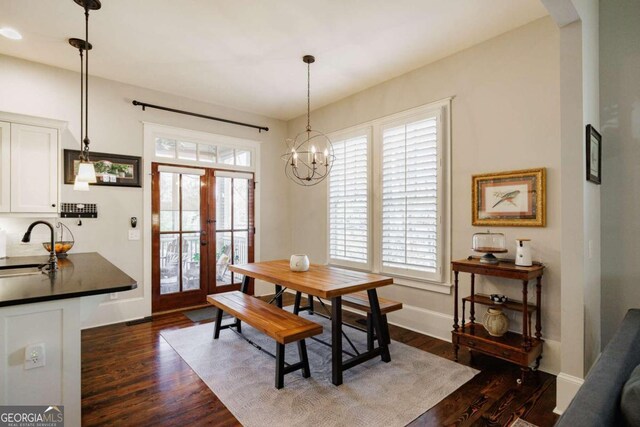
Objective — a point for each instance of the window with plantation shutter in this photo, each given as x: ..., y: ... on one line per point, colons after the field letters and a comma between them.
x: 409, y: 237
x: 389, y: 197
x: 349, y: 202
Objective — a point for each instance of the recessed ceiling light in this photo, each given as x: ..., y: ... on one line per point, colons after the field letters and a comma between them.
x: 10, y: 33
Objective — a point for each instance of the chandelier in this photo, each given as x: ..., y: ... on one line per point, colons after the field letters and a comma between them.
x: 86, y: 171
x: 309, y: 155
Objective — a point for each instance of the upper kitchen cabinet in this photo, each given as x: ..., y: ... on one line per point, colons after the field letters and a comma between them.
x: 34, y: 169
x: 5, y: 170
x: 29, y: 164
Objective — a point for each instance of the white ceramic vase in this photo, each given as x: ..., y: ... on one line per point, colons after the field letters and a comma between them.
x: 496, y: 322
x: 299, y: 262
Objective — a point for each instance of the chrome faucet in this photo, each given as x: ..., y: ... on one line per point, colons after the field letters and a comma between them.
x: 53, y: 259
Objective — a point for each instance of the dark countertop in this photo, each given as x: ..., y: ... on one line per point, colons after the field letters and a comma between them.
x: 78, y: 275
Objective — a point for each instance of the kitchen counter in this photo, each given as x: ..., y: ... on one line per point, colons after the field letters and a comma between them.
x: 78, y: 275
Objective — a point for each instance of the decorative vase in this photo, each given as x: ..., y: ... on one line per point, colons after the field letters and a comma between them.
x: 299, y: 262
x: 496, y: 322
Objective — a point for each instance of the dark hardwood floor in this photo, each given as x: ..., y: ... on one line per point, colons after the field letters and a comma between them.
x: 132, y: 377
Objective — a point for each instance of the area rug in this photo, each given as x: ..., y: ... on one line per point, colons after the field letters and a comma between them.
x: 519, y: 422
x: 201, y: 314
x: 373, y: 394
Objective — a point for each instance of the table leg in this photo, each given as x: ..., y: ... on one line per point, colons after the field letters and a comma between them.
x: 244, y: 288
x: 463, y: 311
x: 279, y: 298
x: 472, y: 305
x: 336, y: 340
x: 456, y: 347
x: 525, y: 314
x: 382, y: 332
x: 296, y: 304
x: 539, y: 309
x: 455, y: 300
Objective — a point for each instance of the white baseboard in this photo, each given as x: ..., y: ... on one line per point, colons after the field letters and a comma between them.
x: 566, y: 388
x: 96, y: 312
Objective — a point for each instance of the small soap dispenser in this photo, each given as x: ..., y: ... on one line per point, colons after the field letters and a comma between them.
x: 523, y: 253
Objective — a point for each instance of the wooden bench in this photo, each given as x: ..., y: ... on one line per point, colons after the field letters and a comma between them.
x: 282, y: 326
x: 359, y: 301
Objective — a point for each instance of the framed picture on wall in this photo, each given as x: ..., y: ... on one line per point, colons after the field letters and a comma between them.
x: 114, y: 170
x: 515, y: 198
x: 594, y: 154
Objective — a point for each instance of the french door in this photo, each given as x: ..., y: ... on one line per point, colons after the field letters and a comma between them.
x: 202, y: 222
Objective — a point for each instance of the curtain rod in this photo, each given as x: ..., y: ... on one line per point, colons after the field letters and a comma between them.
x: 144, y: 105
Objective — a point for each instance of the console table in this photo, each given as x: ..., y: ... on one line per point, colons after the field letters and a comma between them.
x: 522, y: 349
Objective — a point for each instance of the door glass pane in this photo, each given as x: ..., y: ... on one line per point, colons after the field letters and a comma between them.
x: 223, y: 258
x: 190, y: 202
x: 207, y: 153
x: 187, y: 151
x: 223, y: 203
x: 240, y: 204
x: 169, y: 201
x: 190, y: 261
x: 169, y: 263
x: 225, y: 155
x: 243, y: 158
x: 240, y: 251
x: 165, y: 148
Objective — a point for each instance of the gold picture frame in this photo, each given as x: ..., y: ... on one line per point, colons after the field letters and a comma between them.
x: 509, y: 199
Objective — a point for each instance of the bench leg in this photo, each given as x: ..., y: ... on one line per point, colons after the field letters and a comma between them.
x: 298, y: 301
x: 279, y: 365
x: 304, y: 359
x: 216, y: 331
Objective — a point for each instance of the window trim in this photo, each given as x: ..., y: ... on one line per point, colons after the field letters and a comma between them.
x: 440, y: 281
x: 337, y: 136
x: 198, y: 137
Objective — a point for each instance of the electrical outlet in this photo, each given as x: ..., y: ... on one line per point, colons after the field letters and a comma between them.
x: 113, y: 295
x: 34, y: 356
x: 134, y: 234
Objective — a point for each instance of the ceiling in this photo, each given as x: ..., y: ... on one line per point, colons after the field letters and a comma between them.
x: 248, y: 54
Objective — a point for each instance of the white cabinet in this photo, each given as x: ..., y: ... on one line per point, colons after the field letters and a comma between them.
x: 34, y: 169
x: 5, y: 169
x: 29, y: 169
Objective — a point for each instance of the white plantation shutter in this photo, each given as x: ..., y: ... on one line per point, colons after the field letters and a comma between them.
x: 410, y: 197
x: 349, y: 202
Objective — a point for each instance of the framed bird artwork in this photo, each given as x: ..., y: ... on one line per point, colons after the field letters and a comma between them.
x: 515, y: 198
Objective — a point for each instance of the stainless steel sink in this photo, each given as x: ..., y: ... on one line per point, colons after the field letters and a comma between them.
x: 19, y: 271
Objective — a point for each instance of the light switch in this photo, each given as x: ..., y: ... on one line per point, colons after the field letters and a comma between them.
x: 134, y: 234
x: 34, y: 356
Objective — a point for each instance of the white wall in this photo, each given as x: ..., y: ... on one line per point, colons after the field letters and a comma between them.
x: 588, y: 11
x: 505, y: 116
x: 579, y: 89
x: 116, y: 127
x: 620, y: 129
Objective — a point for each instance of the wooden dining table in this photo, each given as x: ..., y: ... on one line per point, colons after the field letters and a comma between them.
x: 329, y: 283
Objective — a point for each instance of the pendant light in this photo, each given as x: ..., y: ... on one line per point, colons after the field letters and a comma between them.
x: 309, y: 155
x: 86, y: 171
